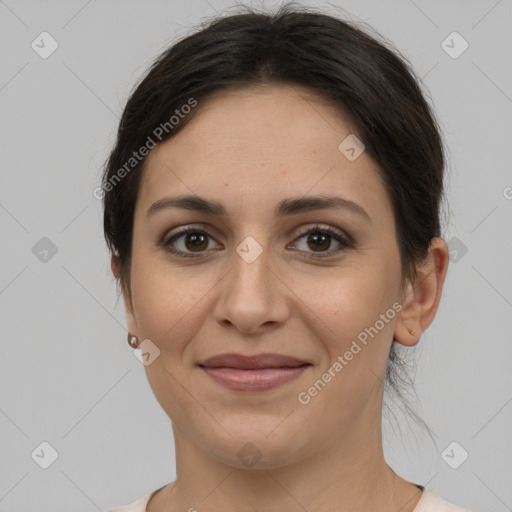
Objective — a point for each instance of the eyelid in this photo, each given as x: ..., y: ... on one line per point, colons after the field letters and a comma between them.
x: 341, y: 236
x: 206, y: 227
x: 188, y: 227
x: 330, y: 229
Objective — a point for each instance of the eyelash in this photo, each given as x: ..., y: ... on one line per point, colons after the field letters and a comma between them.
x: 345, y: 241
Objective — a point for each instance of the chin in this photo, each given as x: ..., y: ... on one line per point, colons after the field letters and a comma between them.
x: 257, y: 446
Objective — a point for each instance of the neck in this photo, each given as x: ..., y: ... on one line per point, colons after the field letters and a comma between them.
x: 349, y: 475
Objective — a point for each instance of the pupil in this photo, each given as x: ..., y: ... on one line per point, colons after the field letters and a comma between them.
x: 195, y: 239
x: 319, y: 236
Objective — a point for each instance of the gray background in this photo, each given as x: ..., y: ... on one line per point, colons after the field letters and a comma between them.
x: 69, y: 378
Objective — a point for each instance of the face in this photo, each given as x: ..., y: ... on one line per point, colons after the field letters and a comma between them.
x: 266, y: 271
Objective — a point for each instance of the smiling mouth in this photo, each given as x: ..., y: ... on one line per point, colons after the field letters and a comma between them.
x: 253, y: 373
x: 254, y: 380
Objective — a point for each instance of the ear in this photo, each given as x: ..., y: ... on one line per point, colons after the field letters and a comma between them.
x: 133, y: 328
x: 422, y: 297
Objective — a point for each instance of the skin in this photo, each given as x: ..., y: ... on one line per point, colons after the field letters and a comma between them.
x: 249, y: 149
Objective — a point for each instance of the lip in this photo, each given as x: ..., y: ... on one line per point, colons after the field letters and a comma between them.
x: 254, y: 362
x: 259, y: 372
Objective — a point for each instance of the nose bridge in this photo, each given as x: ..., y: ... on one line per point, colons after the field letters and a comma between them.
x: 251, y: 264
x: 251, y: 296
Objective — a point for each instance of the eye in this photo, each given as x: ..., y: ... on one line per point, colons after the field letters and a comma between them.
x: 320, y: 239
x: 189, y: 241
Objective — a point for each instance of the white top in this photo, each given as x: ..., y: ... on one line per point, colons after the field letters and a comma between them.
x: 429, y: 502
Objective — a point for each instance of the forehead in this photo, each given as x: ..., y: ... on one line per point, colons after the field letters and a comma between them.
x: 282, y: 139
x: 259, y: 117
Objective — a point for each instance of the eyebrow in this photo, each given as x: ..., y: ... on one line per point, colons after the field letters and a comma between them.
x: 288, y: 206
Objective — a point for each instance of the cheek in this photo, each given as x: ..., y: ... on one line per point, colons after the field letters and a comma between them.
x: 354, y: 315
x: 169, y: 303
x: 345, y: 302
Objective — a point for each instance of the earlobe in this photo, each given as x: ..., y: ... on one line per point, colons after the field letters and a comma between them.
x: 114, y: 265
x: 422, y: 297
x: 407, y: 328
x: 128, y: 306
x: 131, y: 322
x: 406, y: 336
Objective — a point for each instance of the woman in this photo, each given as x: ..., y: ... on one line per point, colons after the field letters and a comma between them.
x: 272, y: 210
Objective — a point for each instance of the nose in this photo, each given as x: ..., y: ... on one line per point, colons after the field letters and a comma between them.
x: 252, y: 297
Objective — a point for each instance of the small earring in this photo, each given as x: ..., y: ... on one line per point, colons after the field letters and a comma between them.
x: 412, y: 333
x: 133, y: 340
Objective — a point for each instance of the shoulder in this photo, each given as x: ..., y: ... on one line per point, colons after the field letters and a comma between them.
x: 138, y: 505
x: 431, y: 502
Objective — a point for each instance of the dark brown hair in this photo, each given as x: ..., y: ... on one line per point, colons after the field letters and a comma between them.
x: 362, y: 74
